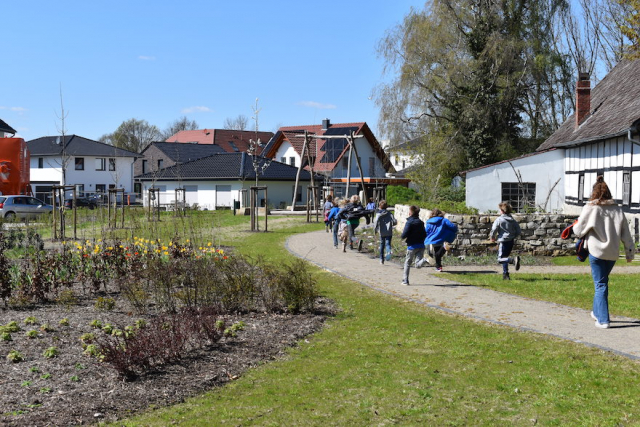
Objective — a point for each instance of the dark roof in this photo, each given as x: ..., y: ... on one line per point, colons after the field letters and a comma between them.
x: 181, y: 153
x: 231, y: 141
x: 4, y: 127
x: 226, y: 166
x: 75, y: 146
x: 615, y: 107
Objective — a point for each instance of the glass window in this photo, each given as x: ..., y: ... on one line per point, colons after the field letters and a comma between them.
x: 112, y: 164
x: 101, y: 188
x: 520, y: 196
x: 626, y: 188
x: 100, y: 164
x: 79, y: 163
x: 160, y: 163
x: 40, y: 163
x: 145, y: 166
x: 292, y: 161
x: 283, y: 159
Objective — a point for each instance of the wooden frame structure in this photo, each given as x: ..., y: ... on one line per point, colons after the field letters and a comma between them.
x: 57, y: 200
x: 154, y: 203
x: 255, y: 191
x: 313, y: 192
x: 112, y: 206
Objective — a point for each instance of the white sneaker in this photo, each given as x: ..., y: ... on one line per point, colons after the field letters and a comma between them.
x: 593, y: 316
x: 405, y: 283
x: 602, y: 325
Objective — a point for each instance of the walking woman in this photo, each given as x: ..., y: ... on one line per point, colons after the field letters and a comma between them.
x: 604, y: 226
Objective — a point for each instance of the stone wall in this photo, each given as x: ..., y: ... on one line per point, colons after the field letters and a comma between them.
x: 540, y: 232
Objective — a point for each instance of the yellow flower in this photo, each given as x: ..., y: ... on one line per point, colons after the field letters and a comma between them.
x: 209, y: 244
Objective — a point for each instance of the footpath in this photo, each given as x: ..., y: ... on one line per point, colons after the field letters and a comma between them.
x: 444, y: 293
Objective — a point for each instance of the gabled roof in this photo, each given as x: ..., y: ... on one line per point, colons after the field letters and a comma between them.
x: 226, y: 166
x: 535, y: 153
x: 231, y: 141
x: 615, y: 107
x: 181, y: 153
x: 4, y: 127
x: 75, y: 146
x: 327, y: 152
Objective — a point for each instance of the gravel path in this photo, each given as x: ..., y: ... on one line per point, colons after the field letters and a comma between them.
x: 477, y: 303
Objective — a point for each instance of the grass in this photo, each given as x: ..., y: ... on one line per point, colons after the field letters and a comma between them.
x: 384, y: 361
x: 575, y: 290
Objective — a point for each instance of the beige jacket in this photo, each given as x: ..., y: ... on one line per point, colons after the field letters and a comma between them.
x: 605, y: 226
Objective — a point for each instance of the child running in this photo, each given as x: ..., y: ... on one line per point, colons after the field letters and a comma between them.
x: 328, y: 204
x: 414, y: 235
x: 439, y: 230
x: 507, y: 230
x: 384, y: 223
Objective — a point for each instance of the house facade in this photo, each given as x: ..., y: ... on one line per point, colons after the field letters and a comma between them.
x: 6, y: 131
x: 521, y: 181
x: 329, y: 156
x: 603, y: 138
x: 91, y: 166
x: 219, y: 180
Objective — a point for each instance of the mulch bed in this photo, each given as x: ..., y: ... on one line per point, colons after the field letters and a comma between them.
x: 75, y: 389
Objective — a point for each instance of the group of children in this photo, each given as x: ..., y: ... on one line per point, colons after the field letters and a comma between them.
x: 343, y: 217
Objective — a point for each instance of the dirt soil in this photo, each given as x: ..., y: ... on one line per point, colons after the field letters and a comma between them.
x: 75, y: 389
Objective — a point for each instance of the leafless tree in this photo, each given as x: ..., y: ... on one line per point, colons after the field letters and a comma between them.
x: 238, y: 123
x: 178, y: 125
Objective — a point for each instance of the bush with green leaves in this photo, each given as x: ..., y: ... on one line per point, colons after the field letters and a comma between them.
x: 15, y: 356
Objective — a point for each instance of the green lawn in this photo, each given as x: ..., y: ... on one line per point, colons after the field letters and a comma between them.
x: 384, y: 361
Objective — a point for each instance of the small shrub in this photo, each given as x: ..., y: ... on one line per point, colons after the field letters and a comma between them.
x: 6, y: 336
x: 64, y: 322
x: 141, y: 323
x: 96, y: 324
x: 45, y: 327
x: 11, y: 327
x: 90, y: 350
x: 34, y: 369
x: 87, y: 338
x: 32, y: 334
x: 15, y: 356
x: 74, y: 378
x: 108, y: 328
x: 31, y: 320
x: 105, y: 304
x: 45, y: 376
x: 45, y: 390
x: 50, y: 353
x: 25, y: 383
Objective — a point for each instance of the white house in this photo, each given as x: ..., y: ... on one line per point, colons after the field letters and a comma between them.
x: 92, y: 166
x: 6, y: 131
x: 602, y: 138
x: 216, y: 181
x: 523, y: 182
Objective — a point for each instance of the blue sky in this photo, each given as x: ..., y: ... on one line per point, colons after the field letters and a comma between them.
x: 207, y: 60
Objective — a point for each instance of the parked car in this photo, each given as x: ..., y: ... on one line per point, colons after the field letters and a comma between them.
x: 22, y: 207
x: 90, y: 202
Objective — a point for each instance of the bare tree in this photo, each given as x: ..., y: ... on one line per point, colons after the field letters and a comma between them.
x: 178, y: 125
x: 238, y: 123
x: 65, y: 158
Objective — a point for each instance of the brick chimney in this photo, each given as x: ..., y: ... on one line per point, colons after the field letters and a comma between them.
x: 583, y: 97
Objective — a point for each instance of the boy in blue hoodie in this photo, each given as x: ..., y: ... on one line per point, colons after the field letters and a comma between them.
x: 506, y: 229
x: 414, y: 235
x: 439, y: 230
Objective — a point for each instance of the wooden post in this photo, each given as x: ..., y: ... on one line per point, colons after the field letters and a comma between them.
x: 364, y: 189
x: 295, y: 187
x: 349, y: 167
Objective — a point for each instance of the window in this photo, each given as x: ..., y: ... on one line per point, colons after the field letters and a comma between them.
x: 100, y: 164
x: 345, y: 162
x: 145, y: 166
x: 283, y: 159
x: 101, y: 188
x: 519, y: 196
x: 581, y: 188
x: 160, y: 163
x: 626, y: 188
x: 112, y: 164
x: 292, y: 161
x: 40, y: 163
x: 80, y: 190
x: 79, y: 163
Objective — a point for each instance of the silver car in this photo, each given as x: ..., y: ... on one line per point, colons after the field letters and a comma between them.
x: 22, y: 207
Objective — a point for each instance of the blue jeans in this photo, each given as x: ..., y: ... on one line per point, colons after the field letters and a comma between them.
x: 384, y: 240
x: 504, y: 250
x: 414, y: 256
x: 600, y: 269
x: 336, y: 225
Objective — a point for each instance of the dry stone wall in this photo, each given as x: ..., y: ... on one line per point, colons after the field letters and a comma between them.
x: 540, y: 232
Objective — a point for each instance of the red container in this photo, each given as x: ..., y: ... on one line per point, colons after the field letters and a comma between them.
x: 14, y: 166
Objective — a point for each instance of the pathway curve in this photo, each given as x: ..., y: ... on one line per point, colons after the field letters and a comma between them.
x: 478, y: 303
